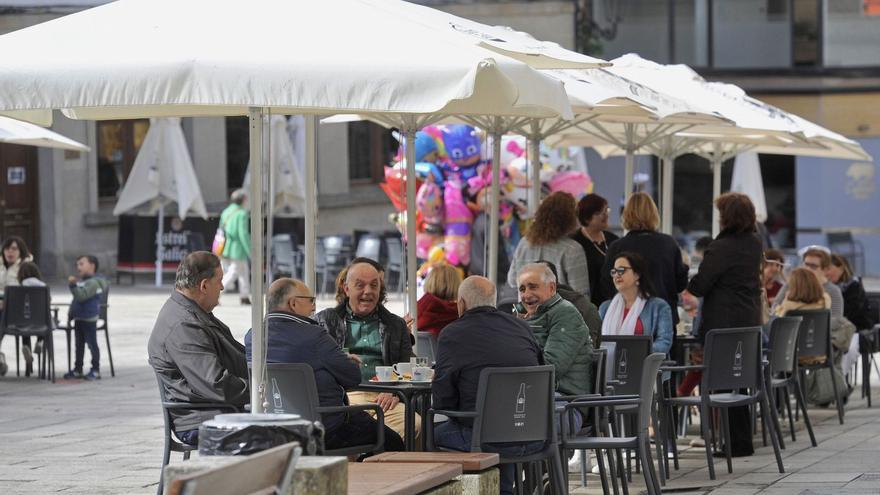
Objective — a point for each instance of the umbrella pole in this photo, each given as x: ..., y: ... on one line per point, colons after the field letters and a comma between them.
x: 629, y: 166
x: 495, y: 192
x: 311, y: 209
x: 160, y: 251
x: 255, y: 115
x: 716, y: 191
x: 535, y: 169
x: 411, y: 301
x: 270, y: 210
x: 667, y: 192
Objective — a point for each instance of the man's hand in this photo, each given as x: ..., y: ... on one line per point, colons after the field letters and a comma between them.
x: 71, y: 280
x: 387, y: 401
x: 357, y: 359
x: 408, y: 319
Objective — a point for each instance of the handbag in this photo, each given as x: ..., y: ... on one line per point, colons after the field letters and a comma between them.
x: 219, y: 240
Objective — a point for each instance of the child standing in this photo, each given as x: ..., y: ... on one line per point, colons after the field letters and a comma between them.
x: 84, y: 310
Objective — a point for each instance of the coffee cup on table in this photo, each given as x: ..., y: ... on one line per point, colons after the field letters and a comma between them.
x: 403, y: 369
x: 384, y: 373
x: 422, y: 374
x: 418, y: 361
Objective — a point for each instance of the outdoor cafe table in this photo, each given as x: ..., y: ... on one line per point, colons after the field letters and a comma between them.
x: 407, y: 392
x: 399, y: 478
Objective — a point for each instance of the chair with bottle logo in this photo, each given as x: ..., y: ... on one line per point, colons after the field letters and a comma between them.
x: 524, y: 395
x: 26, y: 313
x: 814, y: 350
x: 293, y: 391
x: 783, y: 371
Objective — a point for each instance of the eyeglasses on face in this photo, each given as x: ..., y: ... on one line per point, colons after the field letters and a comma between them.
x: 619, y: 271
x: 311, y: 299
x: 812, y: 266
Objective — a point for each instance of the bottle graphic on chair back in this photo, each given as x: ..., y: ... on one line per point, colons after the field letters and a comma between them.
x: 738, y: 359
x: 276, y: 397
x: 521, y: 399
x: 622, y: 366
x: 26, y: 310
x: 810, y: 339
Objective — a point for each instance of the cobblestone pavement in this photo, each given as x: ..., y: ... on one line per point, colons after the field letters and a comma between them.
x: 106, y: 436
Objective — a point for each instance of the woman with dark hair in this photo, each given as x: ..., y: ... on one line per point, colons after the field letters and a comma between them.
x: 547, y: 239
x: 15, y: 252
x: 594, y: 238
x: 855, y: 301
x: 668, y: 272
x: 635, y: 310
x: 729, y: 281
x: 771, y: 273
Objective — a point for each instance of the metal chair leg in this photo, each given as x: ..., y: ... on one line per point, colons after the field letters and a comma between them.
x: 109, y: 352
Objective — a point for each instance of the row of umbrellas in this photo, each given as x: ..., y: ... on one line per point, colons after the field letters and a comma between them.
x: 334, y: 57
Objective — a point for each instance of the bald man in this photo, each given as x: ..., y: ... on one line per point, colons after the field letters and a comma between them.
x: 482, y: 337
x: 293, y: 337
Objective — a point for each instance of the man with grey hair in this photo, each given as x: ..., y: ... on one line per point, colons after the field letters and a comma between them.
x: 558, y: 327
x: 294, y: 337
x: 235, y: 225
x: 193, y: 353
x: 482, y: 337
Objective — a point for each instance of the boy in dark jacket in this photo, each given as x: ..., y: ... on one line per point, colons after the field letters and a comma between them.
x: 87, y: 291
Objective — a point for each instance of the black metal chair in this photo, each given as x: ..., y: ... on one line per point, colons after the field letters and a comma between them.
x: 103, y: 326
x: 850, y: 248
x: 283, y: 256
x: 783, y: 373
x: 640, y: 441
x: 814, y: 342
x: 26, y: 313
x: 597, y: 421
x: 869, y: 344
x: 523, y: 395
x: 369, y: 246
x: 172, y: 443
x: 395, y: 260
x: 294, y: 391
x: 731, y: 363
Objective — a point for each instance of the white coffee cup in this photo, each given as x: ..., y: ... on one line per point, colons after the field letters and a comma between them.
x: 403, y: 368
x: 384, y: 373
x: 422, y: 374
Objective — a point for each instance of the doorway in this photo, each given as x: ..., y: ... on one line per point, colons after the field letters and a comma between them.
x: 19, y: 189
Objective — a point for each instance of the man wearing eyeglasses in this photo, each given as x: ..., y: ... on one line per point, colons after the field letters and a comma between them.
x: 294, y: 337
x: 817, y: 261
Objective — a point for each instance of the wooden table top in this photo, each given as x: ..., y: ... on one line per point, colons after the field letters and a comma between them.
x: 469, y: 461
x: 398, y: 478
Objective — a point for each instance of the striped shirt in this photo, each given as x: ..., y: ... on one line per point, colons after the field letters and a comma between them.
x: 566, y: 254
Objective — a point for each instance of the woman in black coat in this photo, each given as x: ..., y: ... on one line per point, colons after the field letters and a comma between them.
x: 729, y: 281
x: 855, y: 301
x: 667, y: 271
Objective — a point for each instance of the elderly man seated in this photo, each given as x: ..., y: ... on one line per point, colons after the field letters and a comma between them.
x: 482, y: 337
x: 559, y: 329
x: 361, y: 324
x: 293, y: 337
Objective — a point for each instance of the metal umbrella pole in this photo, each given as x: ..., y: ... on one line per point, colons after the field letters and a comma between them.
x: 255, y: 116
x: 160, y: 248
x: 311, y: 206
x: 409, y: 133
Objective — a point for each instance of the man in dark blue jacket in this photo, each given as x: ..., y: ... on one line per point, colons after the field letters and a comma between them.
x: 293, y: 337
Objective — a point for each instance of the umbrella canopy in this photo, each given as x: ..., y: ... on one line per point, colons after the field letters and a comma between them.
x: 747, y: 180
x: 287, y: 183
x: 163, y: 173
x: 165, y: 69
x: 14, y: 131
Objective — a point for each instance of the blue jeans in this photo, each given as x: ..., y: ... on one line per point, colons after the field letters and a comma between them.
x: 454, y: 436
x: 189, y: 437
x: 86, y: 332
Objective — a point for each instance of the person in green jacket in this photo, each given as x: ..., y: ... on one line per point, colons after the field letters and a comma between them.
x: 559, y: 329
x: 235, y: 222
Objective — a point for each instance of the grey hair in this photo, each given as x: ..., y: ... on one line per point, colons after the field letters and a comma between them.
x: 195, y: 267
x: 278, y: 297
x: 542, y: 269
x: 477, y: 291
x: 238, y: 196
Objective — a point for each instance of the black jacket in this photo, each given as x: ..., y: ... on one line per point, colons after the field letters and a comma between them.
x: 589, y: 312
x: 483, y: 337
x: 855, y: 305
x: 197, y: 360
x: 661, y: 252
x: 729, y: 281
x: 396, y: 343
x: 595, y: 261
x: 297, y: 339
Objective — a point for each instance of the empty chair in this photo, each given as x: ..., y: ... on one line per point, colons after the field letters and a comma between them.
x: 103, y: 325
x: 731, y: 363
x: 783, y: 373
x: 283, y: 257
x: 395, y: 260
x: 26, y: 313
x: 814, y: 351
x: 369, y: 246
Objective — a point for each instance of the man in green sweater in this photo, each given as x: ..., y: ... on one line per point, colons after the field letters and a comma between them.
x: 235, y: 222
x: 558, y: 327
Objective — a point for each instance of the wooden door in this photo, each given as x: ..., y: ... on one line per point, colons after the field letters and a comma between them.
x: 19, y: 194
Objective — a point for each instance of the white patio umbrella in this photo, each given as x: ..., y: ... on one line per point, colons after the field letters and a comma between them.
x: 285, y: 176
x: 165, y: 68
x: 747, y: 180
x: 163, y: 173
x: 14, y: 131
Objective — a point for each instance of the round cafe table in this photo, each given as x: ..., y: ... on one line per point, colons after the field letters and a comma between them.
x: 407, y: 392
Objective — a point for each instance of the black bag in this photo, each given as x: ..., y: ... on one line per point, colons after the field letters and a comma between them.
x: 820, y: 389
x: 869, y: 341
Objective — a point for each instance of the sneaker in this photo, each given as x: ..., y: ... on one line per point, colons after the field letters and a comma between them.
x: 73, y: 374
x: 93, y: 375
x: 3, y: 367
x: 698, y: 442
x: 574, y: 464
x: 604, y: 462
x: 28, y: 355
x: 38, y: 347
x: 246, y: 301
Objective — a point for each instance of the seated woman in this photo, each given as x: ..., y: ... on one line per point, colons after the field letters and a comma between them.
x: 772, y: 278
x: 855, y: 301
x: 635, y: 310
x: 804, y: 292
x: 438, y: 306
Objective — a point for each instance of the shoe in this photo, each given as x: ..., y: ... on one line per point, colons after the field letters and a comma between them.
x: 698, y: 442
x: 38, y: 347
x: 73, y: 374
x: 245, y: 301
x: 574, y: 464
x: 733, y: 453
x: 93, y: 375
x: 3, y: 367
x: 28, y: 355
x: 604, y: 462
